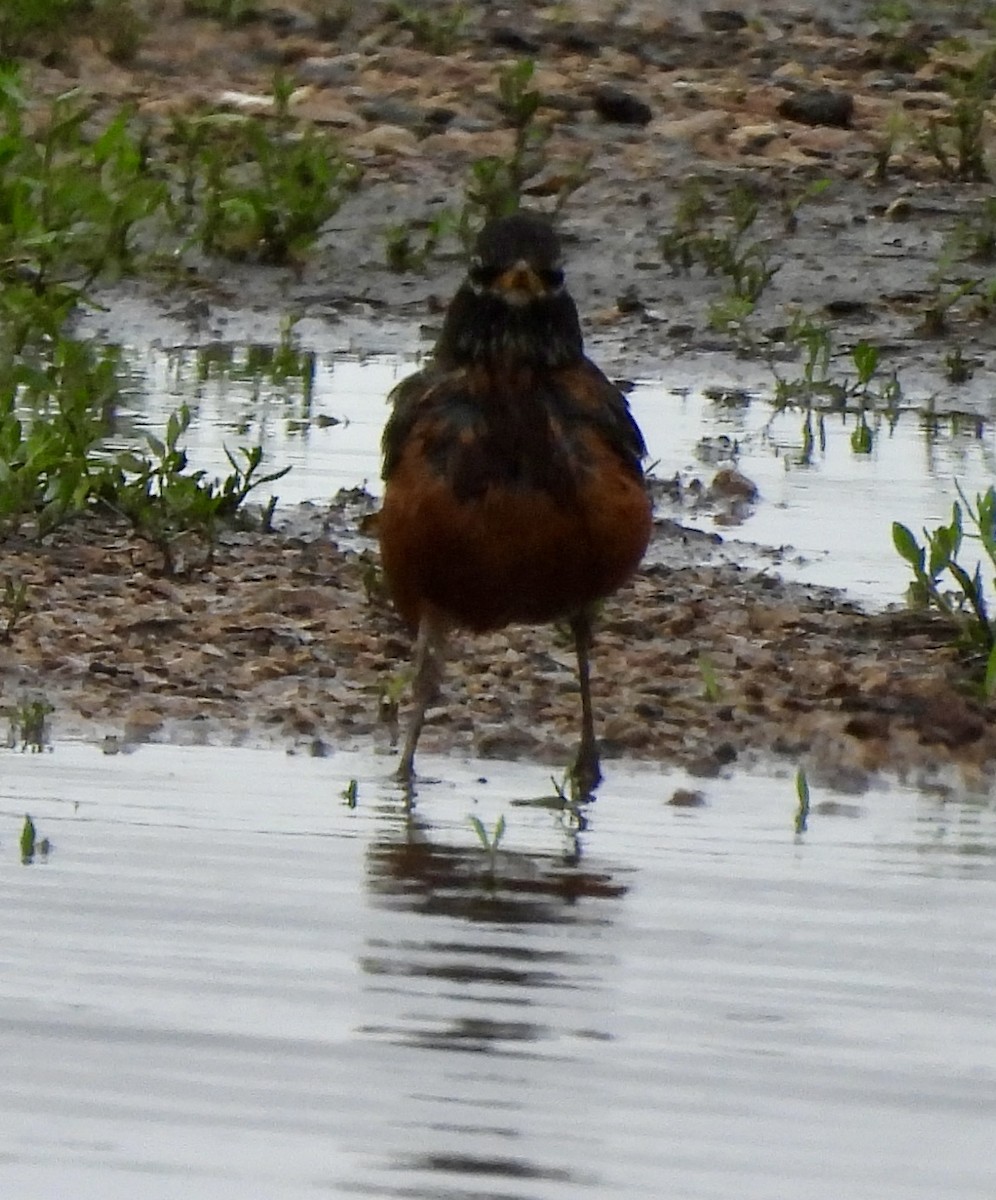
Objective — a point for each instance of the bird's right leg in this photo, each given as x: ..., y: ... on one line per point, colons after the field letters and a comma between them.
x: 587, y: 771
x: 429, y: 657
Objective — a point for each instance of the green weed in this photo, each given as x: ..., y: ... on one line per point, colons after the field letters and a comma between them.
x: 957, y: 142
x: 260, y: 189
x: 975, y: 238
x: 936, y: 315
x: 867, y: 388
x: 935, y: 564
x: 957, y: 368
x: 801, y: 821
x: 70, y: 207
x: 404, y: 251
x: 286, y: 369
x: 27, y: 840
x: 894, y: 136
x: 389, y: 697
x: 791, y: 202
x: 491, y: 841
x: 721, y: 246
x: 14, y: 604
x: 436, y: 28
x: 497, y: 183
x: 29, y: 26
x: 52, y: 417
x: 163, y: 500
x: 28, y: 724
x: 712, y: 689
x: 228, y: 12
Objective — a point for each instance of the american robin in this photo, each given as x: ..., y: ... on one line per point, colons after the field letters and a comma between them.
x: 514, y: 486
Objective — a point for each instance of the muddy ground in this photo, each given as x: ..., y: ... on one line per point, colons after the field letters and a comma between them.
x: 702, y: 661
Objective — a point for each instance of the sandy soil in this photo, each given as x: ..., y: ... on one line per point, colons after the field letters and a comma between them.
x: 700, y: 661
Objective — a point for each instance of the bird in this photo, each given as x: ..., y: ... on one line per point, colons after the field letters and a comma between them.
x: 514, y: 489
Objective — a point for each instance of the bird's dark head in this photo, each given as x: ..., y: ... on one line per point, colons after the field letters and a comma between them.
x: 513, y: 305
x: 517, y: 260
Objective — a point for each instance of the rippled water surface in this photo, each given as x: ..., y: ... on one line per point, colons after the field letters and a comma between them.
x: 224, y: 981
x: 831, y: 508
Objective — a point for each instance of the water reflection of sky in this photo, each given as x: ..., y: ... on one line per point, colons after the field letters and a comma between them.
x: 834, y: 512
x: 226, y: 981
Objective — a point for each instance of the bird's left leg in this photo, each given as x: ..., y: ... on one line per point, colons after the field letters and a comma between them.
x: 429, y: 656
x: 586, y: 773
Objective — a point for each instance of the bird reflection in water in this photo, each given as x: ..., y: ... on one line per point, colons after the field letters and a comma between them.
x: 477, y: 1006
x: 411, y: 865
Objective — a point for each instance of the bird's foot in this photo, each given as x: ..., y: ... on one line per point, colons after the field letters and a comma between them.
x: 586, y: 774
x: 405, y: 775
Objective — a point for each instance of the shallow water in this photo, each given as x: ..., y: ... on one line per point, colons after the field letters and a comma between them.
x: 831, y: 511
x: 224, y: 981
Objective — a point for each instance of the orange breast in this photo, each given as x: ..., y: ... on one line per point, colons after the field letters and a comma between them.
x: 515, y: 552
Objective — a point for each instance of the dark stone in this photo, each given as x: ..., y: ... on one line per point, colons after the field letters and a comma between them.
x: 822, y: 106
x: 622, y: 108
x: 868, y: 725
x: 513, y: 39
x: 687, y: 798
x: 629, y: 301
x: 579, y: 41
x: 724, y: 20
x: 439, y: 117
x: 844, y: 306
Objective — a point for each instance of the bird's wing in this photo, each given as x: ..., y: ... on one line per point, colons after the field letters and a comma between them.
x: 598, y: 403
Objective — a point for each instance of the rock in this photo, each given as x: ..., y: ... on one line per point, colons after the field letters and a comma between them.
x: 901, y: 209
x: 714, y: 124
x: 510, y: 38
x: 750, y: 139
x: 578, y: 40
x: 709, y: 764
x: 620, y: 107
x: 731, y: 484
x: 387, y: 139
x: 687, y: 798
x: 507, y: 741
x: 141, y: 723
x: 821, y: 106
x: 328, y: 72
x: 390, y: 111
x: 724, y: 20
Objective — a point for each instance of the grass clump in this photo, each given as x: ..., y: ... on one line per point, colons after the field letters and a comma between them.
x: 260, y: 189
x: 497, y: 183
x: 958, y: 141
x: 436, y: 28
x: 163, y: 499
x: 722, y: 244
x: 71, y: 206
x: 28, y: 724
x: 936, y: 564
x: 29, y: 26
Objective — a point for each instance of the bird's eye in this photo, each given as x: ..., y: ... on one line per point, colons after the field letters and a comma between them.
x: 553, y: 278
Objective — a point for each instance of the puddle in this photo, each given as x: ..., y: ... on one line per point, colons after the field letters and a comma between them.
x: 832, y: 514
x: 226, y: 982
